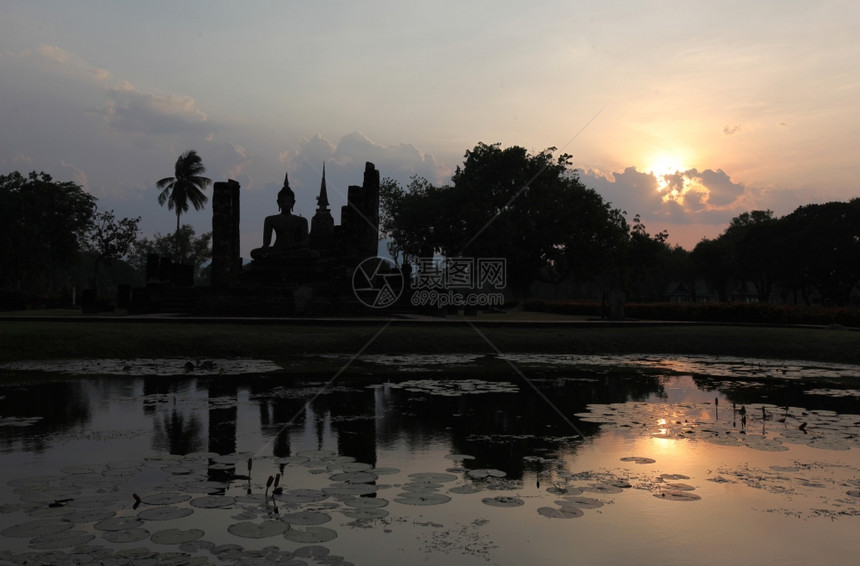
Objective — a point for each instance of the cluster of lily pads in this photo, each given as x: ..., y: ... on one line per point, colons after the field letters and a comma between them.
x: 146, y: 367
x: 93, y: 509
x: 96, y: 510
x: 760, y: 426
x: 452, y: 387
x: 585, y: 490
x: 70, y: 512
x: 713, y: 366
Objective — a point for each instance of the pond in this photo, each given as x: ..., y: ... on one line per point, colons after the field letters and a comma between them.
x: 574, y: 460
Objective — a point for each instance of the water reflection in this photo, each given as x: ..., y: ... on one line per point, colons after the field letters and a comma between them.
x: 501, y: 466
x: 35, y: 414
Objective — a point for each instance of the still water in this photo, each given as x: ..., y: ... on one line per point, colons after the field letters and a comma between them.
x: 546, y: 460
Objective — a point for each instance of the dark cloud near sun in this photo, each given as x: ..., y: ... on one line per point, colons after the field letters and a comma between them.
x: 684, y: 197
x: 730, y: 130
x: 722, y: 191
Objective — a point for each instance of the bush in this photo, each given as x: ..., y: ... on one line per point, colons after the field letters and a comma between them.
x: 763, y: 313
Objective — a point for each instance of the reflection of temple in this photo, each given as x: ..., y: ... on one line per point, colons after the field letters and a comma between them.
x: 269, y: 418
x: 304, y: 282
x: 343, y: 418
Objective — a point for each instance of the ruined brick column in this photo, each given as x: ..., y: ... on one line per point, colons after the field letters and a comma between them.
x: 226, y: 263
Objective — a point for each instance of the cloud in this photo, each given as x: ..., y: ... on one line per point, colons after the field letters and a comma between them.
x: 729, y: 130
x: 9, y: 53
x: 99, y: 74
x: 54, y: 53
x: 132, y: 111
x: 721, y: 190
x: 344, y: 165
x: 78, y: 174
x: 226, y: 160
x: 683, y: 196
x: 688, y: 202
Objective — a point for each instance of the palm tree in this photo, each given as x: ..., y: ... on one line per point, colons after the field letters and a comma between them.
x: 186, y: 186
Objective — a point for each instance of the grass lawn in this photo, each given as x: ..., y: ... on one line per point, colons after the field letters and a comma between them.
x: 284, y: 342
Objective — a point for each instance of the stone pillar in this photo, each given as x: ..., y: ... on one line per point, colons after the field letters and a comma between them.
x: 226, y: 263
x: 370, y: 240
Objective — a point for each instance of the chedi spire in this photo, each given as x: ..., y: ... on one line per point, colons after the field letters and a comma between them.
x: 322, y: 199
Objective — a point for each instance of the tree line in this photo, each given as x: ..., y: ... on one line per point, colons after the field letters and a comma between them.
x: 54, y: 238
x: 533, y: 210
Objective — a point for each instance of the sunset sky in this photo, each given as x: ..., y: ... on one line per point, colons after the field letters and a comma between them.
x: 687, y: 113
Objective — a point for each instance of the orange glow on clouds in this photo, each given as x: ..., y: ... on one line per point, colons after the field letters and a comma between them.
x: 672, y: 182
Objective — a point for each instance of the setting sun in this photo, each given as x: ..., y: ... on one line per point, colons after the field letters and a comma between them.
x: 673, y: 185
x: 665, y: 164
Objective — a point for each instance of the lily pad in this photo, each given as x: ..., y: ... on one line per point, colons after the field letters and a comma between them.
x: 385, y: 471
x: 300, y: 496
x: 118, y: 524
x: 311, y: 551
x: 82, y: 469
x: 580, y: 501
x: 292, y: 460
x: 350, y: 467
x: 129, y: 535
x: 677, y: 486
x: 484, y: 473
x: 422, y: 487
x: 307, y: 518
x: 466, y: 489
x: 264, y: 529
x: 365, y: 513
x: 310, y: 535
x: 366, y: 502
x: 316, y: 454
x: 432, y: 477
x: 39, y: 527
x: 95, y: 501
x: 503, y: 501
x: 213, y: 501
x: 164, y: 513
x: 602, y: 488
x: 166, y: 498
x: 671, y: 495
x: 355, y: 477
x: 672, y: 477
x: 355, y: 489
x: 61, y: 540
x: 417, y: 498
x: 638, y: 460
x: 560, y: 490
x: 829, y: 444
x: 33, y: 481
x: 560, y: 513
x: 88, y: 515
x: 176, y: 536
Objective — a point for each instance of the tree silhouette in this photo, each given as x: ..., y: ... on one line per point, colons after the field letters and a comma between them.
x: 187, y: 185
x: 109, y: 240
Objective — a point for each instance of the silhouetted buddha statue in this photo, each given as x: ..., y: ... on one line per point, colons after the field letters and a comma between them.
x: 291, y: 235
